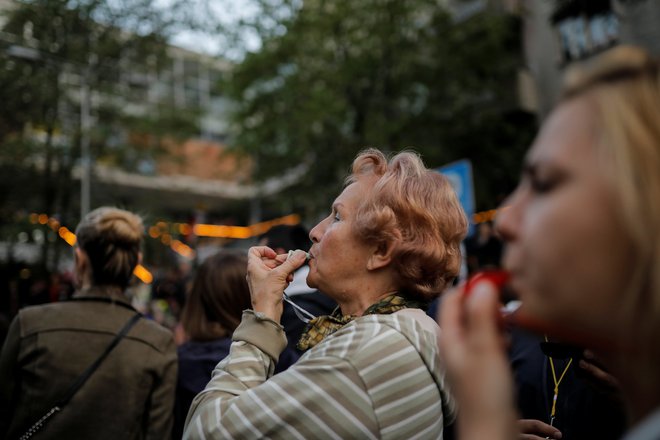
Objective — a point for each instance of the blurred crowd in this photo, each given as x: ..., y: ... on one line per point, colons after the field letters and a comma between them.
x: 163, y: 300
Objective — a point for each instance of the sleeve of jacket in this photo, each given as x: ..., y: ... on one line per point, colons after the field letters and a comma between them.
x: 160, y: 418
x: 322, y: 395
x: 8, y: 375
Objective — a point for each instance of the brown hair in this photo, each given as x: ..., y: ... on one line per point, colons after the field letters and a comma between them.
x: 417, y: 209
x: 624, y: 85
x: 218, y: 296
x: 111, y: 238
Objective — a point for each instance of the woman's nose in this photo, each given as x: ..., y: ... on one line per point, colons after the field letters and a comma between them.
x: 508, y: 217
x: 315, y: 233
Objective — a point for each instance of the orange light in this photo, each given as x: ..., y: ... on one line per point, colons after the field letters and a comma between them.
x: 222, y: 231
x: 182, y: 249
x: 184, y: 229
x: 260, y: 228
x: 53, y: 223
x: 143, y: 274
x: 154, y: 232
x: 43, y: 219
x: 166, y: 239
x: 243, y: 231
x: 67, y: 235
x: 34, y: 218
x: 485, y: 216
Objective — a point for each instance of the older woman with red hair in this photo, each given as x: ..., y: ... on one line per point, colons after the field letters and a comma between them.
x: 389, y: 246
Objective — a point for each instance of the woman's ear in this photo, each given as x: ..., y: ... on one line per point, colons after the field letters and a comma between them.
x: 81, y: 267
x: 382, y: 255
x: 80, y: 259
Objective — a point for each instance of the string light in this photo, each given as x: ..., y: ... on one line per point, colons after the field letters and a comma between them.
x: 69, y: 237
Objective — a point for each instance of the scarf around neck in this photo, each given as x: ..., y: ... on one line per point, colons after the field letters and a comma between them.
x: 322, y: 326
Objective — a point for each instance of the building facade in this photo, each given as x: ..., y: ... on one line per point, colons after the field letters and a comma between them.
x: 558, y: 33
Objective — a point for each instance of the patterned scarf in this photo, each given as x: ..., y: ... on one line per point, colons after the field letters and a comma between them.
x: 322, y: 326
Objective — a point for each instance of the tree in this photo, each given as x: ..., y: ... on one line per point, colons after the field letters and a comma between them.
x: 51, y: 51
x: 333, y: 77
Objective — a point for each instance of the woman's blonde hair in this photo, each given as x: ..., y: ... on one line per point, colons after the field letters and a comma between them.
x: 417, y: 210
x: 624, y: 84
x: 111, y: 238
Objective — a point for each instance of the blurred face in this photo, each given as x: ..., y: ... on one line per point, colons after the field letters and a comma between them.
x: 567, y: 250
x: 339, y: 259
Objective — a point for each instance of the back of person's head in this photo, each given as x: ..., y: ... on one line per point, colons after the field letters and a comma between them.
x: 416, y: 208
x: 218, y: 296
x: 287, y: 237
x: 111, y: 239
x: 624, y: 86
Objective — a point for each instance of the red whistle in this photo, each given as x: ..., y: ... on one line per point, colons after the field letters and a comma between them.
x: 497, y: 277
x: 519, y: 317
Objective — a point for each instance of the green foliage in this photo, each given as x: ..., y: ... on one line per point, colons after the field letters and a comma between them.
x: 50, y: 49
x: 333, y: 77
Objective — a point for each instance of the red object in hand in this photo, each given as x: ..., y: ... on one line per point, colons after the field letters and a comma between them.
x: 519, y: 317
x: 497, y: 277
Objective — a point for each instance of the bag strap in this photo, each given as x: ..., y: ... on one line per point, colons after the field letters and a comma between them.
x: 80, y: 381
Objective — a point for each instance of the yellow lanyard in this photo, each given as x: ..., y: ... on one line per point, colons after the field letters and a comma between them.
x: 557, y: 382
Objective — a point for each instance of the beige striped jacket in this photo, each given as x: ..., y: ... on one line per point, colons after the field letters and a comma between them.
x: 377, y: 377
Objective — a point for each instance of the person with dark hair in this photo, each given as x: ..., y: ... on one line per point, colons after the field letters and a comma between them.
x: 52, y: 348
x: 213, y: 310
x: 283, y: 238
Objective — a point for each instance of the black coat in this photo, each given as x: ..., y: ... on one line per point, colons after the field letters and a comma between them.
x: 582, y: 412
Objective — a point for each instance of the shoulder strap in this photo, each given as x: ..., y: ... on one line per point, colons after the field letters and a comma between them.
x: 80, y: 381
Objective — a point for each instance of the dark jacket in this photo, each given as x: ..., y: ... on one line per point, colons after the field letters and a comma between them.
x: 131, y: 394
x: 315, y: 303
x: 197, y: 360
x: 583, y: 411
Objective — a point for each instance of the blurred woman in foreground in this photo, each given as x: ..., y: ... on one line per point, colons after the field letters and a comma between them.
x: 390, y: 244
x: 583, y: 248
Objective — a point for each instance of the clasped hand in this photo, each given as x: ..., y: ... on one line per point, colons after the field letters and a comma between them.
x: 268, y: 274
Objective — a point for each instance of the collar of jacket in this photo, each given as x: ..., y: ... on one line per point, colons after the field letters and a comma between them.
x: 111, y: 293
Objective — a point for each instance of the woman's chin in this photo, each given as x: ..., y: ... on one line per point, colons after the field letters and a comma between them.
x: 311, y: 281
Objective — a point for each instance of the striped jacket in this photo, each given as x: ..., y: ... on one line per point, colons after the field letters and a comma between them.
x: 377, y: 377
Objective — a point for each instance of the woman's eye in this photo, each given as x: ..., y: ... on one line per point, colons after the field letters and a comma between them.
x: 541, y: 186
x: 336, y: 217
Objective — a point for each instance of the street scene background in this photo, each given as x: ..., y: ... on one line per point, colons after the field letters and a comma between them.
x: 216, y: 121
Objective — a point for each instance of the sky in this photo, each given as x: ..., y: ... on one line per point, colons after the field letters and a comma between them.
x: 225, y: 12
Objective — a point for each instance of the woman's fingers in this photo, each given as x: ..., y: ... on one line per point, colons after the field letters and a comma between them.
x: 472, y: 348
x: 482, y: 310
x: 600, y: 378
x: 262, y: 252
x: 268, y: 276
x: 536, y: 429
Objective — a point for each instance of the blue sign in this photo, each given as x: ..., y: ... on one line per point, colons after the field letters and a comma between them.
x: 459, y: 174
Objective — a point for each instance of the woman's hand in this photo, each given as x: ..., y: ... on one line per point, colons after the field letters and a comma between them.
x: 531, y: 429
x: 268, y: 274
x: 599, y: 378
x: 473, y: 350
